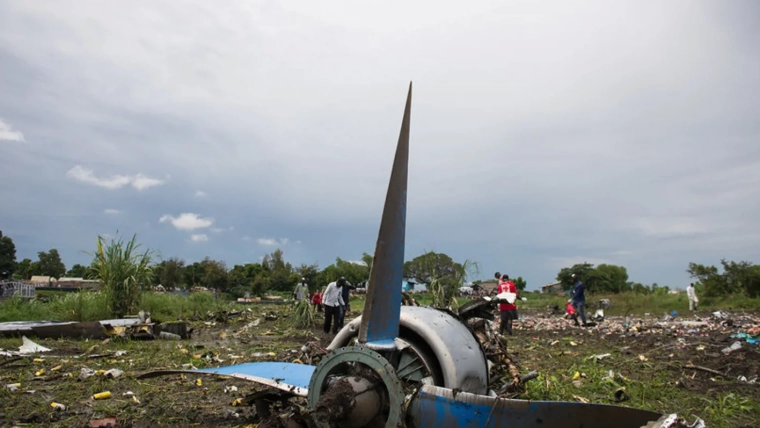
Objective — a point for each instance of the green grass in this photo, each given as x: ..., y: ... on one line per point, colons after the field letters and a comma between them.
x: 651, y: 384
x: 94, y: 306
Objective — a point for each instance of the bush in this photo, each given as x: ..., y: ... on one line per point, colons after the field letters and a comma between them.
x: 122, y: 271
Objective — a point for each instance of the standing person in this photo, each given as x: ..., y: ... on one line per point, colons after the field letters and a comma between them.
x: 316, y: 300
x: 507, y: 310
x: 692, y: 295
x: 332, y: 300
x: 302, y: 291
x: 579, y: 299
x: 345, y: 288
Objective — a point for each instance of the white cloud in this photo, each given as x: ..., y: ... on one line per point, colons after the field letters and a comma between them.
x: 199, y: 238
x: 111, y: 211
x: 272, y: 241
x: 139, y: 181
x: 8, y: 134
x: 218, y: 229
x: 246, y: 238
x: 201, y: 194
x: 187, y: 221
x: 358, y: 262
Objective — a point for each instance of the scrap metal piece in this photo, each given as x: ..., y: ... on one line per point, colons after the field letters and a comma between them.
x: 288, y: 377
x: 435, y: 407
x: 383, y: 303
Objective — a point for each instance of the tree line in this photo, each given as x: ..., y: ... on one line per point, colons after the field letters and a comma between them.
x: 734, y: 278
x: 272, y: 273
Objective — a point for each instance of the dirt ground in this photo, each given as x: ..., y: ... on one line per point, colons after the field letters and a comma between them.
x: 652, y: 364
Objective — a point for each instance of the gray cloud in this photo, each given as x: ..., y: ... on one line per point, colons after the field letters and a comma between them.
x: 542, y: 134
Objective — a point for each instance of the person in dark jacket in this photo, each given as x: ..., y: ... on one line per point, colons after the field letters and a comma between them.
x: 346, y: 288
x: 579, y: 299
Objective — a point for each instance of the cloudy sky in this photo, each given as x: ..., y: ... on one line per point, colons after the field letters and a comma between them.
x: 543, y: 133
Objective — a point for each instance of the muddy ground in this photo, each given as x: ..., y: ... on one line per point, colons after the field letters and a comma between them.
x: 651, y: 365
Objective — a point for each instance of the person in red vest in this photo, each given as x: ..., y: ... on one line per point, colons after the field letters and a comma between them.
x: 316, y: 300
x: 569, y: 311
x: 508, y: 310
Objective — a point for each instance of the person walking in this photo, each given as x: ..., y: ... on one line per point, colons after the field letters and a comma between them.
x: 579, y: 300
x: 332, y: 301
x: 302, y: 291
x: 507, y: 310
x: 692, y: 295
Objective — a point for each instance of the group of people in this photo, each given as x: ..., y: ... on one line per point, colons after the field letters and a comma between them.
x: 334, y: 299
x: 576, y: 305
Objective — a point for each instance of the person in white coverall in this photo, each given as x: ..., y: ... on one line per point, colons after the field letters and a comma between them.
x: 692, y: 295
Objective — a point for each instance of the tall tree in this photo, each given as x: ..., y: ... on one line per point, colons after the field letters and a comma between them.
x: 368, y: 259
x: 7, y: 256
x: 171, y: 274
x: 50, y: 264
x: 78, y: 271
x: 278, y: 272
x: 612, y: 278
x: 431, y: 265
x: 214, y: 274
x: 520, y: 283
x: 24, y: 269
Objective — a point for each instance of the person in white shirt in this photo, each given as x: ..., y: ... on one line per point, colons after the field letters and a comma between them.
x: 332, y: 301
x: 692, y: 295
x: 302, y: 291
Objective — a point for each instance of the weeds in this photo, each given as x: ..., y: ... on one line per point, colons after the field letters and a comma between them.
x: 304, y: 315
x: 122, y: 270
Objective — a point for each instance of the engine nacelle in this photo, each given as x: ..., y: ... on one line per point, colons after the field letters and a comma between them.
x: 449, y: 350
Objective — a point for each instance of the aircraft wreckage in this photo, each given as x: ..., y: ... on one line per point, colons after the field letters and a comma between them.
x: 411, y: 366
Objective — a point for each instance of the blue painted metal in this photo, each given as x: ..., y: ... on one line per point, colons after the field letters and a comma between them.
x: 436, y: 407
x: 380, y: 320
x: 288, y: 377
x: 293, y: 374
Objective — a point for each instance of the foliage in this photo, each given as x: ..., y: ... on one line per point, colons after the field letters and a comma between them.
x: 7, y: 256
x: 352, y: 271
x: 123, y: 271
x: 23, y: 269
x: 304, y: 315
x: 431, y: 265
x: 604, y: 278
x: 48, y: 264
x: 736, y: 278
x: 520, y: 283
x: 442, y: 275
x: 79, y: 271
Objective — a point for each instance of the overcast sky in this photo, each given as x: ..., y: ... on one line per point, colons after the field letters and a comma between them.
x: 543, y: 133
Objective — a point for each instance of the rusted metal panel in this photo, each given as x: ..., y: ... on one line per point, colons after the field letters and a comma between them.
x: 383, y: 303
x: 436, y: 407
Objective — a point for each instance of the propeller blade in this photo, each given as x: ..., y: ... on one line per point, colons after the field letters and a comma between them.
x: 436, y: 407
x: 288, y: 377
x: 382, y: 307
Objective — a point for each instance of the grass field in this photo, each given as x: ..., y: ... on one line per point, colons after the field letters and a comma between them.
x: 650, y: 366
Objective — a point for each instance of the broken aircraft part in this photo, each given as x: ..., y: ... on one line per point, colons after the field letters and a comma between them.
x: 402, y: 350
